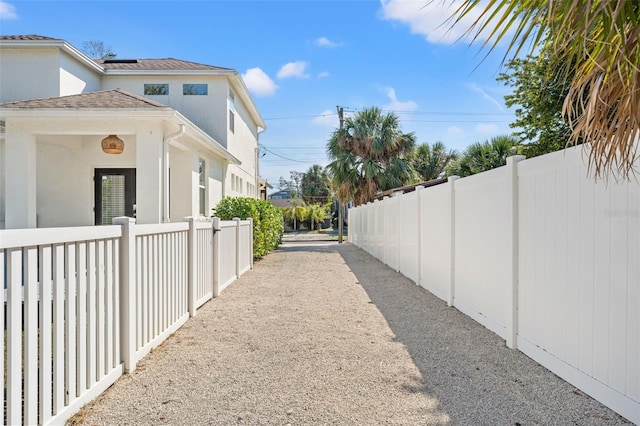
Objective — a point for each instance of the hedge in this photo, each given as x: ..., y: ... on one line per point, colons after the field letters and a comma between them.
x: 267, y: 221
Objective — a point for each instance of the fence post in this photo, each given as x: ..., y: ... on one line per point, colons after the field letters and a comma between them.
x: 238, y: 242
x: 512, y: 264
x: 396, y: 196
x: 452, y: 254
x: 251, y: 242
x: 192, y: 242
x: 128, y: 301
x: 215, y: 223
x: 418, y: 190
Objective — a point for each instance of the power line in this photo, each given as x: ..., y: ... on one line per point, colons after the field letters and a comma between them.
x: 456, y: 113
x: 284, y: 158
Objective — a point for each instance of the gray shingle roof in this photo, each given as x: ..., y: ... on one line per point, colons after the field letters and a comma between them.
x: 115, y: 98
x: 33, y: 37
x: 167, y: 64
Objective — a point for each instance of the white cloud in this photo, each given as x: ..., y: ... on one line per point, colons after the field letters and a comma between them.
x: 430, y: 18
x: 7, y: 11
x: 395, y: 104
x: 486, y: 129
x: 328, y: 118
x: 259, y: 83
x: 323, y: 74
x: 474, y: 88
x: 325, y: 42
x: 455, y: 132
x: 295, y: 69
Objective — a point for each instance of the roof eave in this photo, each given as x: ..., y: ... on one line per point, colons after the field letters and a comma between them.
x: 166, y: 113
x: 206, y: 140
x: 85, y: 112
x: 248, y: 100
x: 61, y: 44
x: 168, y: 72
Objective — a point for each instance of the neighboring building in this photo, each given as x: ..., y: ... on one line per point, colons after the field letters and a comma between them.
x: 190, y: 134
x: 284, y: 198
x: 264, y: 187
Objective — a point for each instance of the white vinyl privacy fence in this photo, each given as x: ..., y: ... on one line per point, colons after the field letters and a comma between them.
x: 83, y: 305
x: 536, y: 251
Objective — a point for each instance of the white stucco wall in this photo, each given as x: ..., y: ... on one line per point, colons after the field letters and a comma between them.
x: 210, y: 113
x: 242, y: 143
x: 216, y: 177
x: 2, y: 169
x: 29, y: 74
x: 149, y: 140
x: 65, y: 169
x: 180, y: 194
x: 207, y: 112
x: 76, y: 78
x: 184, y: 187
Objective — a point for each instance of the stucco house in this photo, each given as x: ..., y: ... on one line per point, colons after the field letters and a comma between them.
x: 83, y: 140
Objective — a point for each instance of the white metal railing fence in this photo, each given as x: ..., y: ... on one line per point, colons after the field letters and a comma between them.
x: 537, y: 252
x: 85, y: 304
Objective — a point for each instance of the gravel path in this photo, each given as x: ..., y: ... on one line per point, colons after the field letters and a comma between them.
x: 321, y: 333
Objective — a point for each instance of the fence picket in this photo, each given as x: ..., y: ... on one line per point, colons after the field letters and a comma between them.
x: 45, y: 354
x: 58, y: 333
x: 14, y: 336
x: 92, y: 325
x: 70, y: 323
x: 30, y: 365
x: 81, y: 325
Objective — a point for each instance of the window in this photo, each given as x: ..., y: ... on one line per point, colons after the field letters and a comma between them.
x: 232, y: 97
x: 232, y: 121
x: 195, y: 89
x: 202, y: 180
x: 156, y: 89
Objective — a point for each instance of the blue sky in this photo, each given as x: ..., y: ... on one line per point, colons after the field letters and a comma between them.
x: 300, y: 59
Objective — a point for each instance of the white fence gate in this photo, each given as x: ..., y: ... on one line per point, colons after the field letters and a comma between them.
x: 537, y: 252
x: 83, y: 305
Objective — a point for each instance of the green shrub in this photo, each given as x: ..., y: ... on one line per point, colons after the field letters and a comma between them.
x: 267, y: 221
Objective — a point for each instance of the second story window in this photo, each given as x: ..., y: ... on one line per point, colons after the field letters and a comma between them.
x: 156, y: 89
x: 195, y: 89
x: 232, y: 108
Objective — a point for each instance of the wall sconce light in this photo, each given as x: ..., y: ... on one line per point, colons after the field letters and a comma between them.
x: 112, y: 145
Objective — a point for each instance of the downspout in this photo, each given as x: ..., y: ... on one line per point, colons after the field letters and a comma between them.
x: 258, y: 192
x: 165, y: 171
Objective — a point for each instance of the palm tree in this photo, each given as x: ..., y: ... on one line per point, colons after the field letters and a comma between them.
x: 315, y: 185
x: 369, y: 154
x: 480, y: 157
x: 294, y: 214
x: 600, y: 41
x: 315, y: 214
x: 430, y: 161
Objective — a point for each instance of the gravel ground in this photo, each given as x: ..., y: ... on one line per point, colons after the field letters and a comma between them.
x: 321, y: 333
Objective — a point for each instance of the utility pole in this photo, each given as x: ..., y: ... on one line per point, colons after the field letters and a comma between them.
x: 340, y: 206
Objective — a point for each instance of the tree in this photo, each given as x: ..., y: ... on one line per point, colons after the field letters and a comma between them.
x: 369, y: 154
x: 96, y: 49
x: 294, y: 214
x: 539, y: 91
x: 293, y: 184
x: 316, y: 214
x: 599, y: 42
x: 480, y: 157
x: 430, y: 161
x: 315, y: 185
